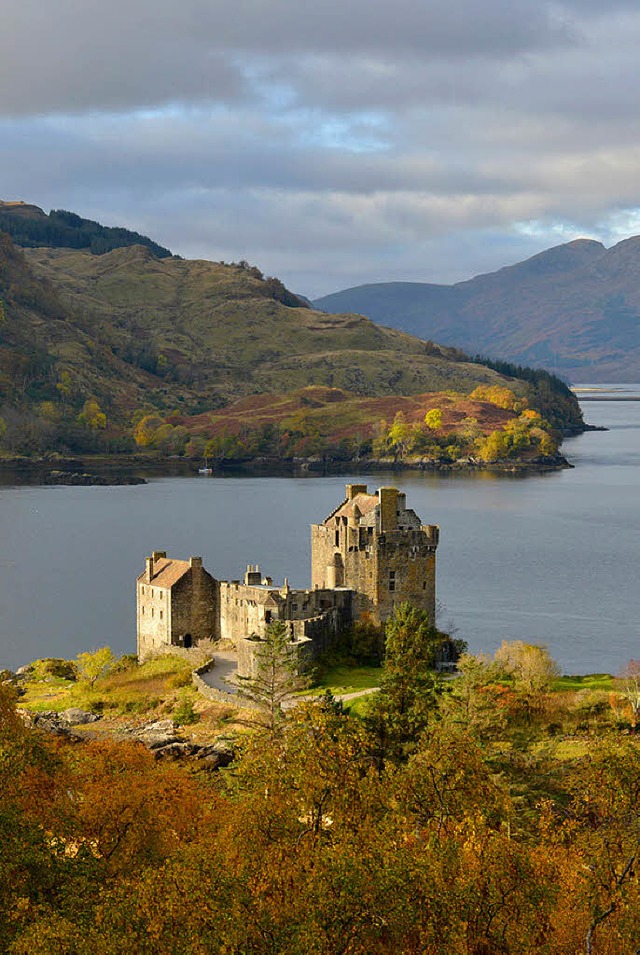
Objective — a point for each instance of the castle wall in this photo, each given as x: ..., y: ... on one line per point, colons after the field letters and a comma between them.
x: 406, y: 571
x: 301, y: 652
x: 194, y: 608
x: 247, y: 610
x: 153, y: 618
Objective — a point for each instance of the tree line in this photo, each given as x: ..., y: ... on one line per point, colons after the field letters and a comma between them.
x: 62, y: 229
x: 469, y: 816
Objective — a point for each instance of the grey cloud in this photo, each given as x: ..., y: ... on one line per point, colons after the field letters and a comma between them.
x: 330, y: 144
x: 87, y: 54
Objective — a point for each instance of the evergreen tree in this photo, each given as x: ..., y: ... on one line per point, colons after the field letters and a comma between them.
x: 404, y: 707
x: 276, y: 678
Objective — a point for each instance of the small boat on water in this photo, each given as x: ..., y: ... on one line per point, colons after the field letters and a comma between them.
x: 205, y: 470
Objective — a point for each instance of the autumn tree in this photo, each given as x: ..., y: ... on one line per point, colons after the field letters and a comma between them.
x: 145, y: 429
x: 32, y: 865
x: 93, y: 665
x: 628, y: 685
x: 92, y: 416
x: 499, y: 396
x: 433, y: 419
x: 603, y: 826
x: 531, y: 668
x: 66, y: 386
x: 399, y: 434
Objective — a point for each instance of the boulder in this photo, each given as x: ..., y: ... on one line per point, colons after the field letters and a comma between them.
x: 74, y: 716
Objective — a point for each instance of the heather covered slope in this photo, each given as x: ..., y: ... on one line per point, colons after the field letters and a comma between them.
x: 574, y: 309
x: 90, y: 344
x: 223, y: 330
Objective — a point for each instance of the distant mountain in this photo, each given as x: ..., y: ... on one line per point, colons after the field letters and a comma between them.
x: 30, y: 227
x: 574, y: 309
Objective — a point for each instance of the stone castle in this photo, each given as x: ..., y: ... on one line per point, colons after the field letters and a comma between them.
x: 370, y: 553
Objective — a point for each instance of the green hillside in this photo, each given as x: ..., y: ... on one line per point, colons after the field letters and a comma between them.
x: 91, y: 344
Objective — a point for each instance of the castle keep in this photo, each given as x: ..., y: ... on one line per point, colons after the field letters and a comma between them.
x: 370, y: 553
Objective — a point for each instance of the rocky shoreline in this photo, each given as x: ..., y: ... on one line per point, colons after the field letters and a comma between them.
x: 111, y: 471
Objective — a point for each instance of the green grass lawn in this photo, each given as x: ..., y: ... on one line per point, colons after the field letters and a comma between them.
x: 132, y: 688
x: 591, y: 681
x: 360, y: 706
x: 344, y: 679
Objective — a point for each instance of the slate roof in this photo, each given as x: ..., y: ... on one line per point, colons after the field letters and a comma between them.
x: 166, y: 572
x: 366, y: 503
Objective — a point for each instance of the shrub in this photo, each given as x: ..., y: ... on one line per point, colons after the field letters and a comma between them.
x: 53, y: 667
x: 184, y: 713
x: 179, y: 680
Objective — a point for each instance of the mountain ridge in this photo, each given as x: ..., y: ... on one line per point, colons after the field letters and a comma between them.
x: 574, y: 309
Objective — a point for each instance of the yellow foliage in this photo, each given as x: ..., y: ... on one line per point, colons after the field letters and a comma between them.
x: 433, y: 419
x: 499, y: 396
x: 66, y: 385
x: 145, y: 430
x: 92, y: 416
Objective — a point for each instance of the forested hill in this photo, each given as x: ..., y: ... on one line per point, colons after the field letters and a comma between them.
x: 30, y: 227
x: 574, y: 309
x: 125, y: 349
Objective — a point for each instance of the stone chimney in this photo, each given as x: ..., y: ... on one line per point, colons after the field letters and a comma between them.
x: 148, y: 576
x: 253, y: 577
x: 353, y: 489
x: 388, y: 497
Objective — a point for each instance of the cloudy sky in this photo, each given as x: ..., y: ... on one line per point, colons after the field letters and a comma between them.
x: 331, y: 143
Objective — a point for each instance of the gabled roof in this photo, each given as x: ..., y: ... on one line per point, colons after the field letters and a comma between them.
x: 366, y: 504
x: 166, y: 572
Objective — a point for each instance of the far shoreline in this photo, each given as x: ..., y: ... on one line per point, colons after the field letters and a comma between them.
x: 118, y: 469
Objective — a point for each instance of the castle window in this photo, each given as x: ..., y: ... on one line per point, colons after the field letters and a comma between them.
x: 267, y: 616
x: 392, y: 580
x: 424, y: 585
x: 337, y: 544
x: 143, y: 609
x: 161, y: 614
x: 142, y: 589
x: 152, y: 611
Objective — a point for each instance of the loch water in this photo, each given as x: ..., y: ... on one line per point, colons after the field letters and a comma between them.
x: 547, y: 558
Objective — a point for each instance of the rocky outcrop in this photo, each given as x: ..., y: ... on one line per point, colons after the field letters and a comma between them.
x: 60, y: 724
x: 162, y: 737
x: 83, y: 479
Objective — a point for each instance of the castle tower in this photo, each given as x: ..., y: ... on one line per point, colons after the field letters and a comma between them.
x: 375, y: 545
